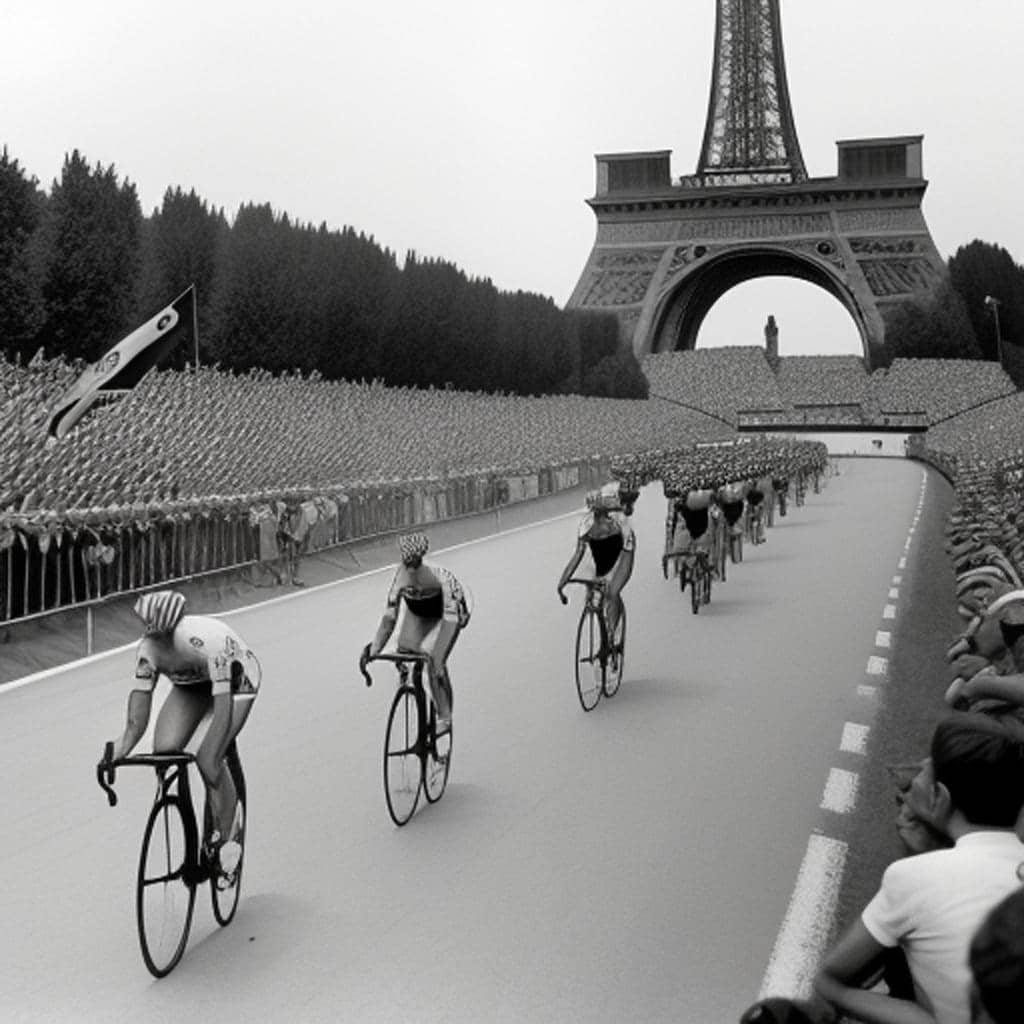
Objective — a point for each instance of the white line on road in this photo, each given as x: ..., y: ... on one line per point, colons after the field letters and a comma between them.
x: 840, y: 791
x: 877, y: 665
x: 867, y: 691
x: 855, y: 738
x: 894, y: 593
x: 807, y: 925
x: 883, y: 638
x: 902, y: 564
x: 889, y: 611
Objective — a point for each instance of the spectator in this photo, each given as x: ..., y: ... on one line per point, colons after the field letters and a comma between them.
x: 929, y: 906
x: 997, y: 964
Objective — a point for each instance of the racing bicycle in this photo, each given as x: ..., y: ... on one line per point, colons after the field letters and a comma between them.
x: 173, y: 862
x: 695, y: 571
x: 599, y: 655
x: 417, y: 751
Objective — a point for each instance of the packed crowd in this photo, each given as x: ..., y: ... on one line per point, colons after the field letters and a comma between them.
x: 942, y: 388
x: 823, y: 380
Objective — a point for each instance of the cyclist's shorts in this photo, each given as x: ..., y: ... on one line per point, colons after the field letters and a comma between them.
x: 605, y: 552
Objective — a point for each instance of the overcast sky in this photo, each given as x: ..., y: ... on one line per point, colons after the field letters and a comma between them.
x: 466, y: 129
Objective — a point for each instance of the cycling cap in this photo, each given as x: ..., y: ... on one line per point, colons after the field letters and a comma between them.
x: 160, y: 611
x: 413, y: 546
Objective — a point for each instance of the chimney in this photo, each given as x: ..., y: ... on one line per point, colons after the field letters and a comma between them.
x: 771, y: 339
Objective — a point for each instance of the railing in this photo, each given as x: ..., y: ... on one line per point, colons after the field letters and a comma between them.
x: 51, y: 564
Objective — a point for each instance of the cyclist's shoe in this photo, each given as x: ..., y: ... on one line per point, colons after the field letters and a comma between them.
x: 229, y: 856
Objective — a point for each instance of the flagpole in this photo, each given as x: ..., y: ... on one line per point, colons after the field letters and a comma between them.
x: 195, y: 320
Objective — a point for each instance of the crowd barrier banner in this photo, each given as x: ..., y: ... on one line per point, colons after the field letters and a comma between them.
x: 50, y: 563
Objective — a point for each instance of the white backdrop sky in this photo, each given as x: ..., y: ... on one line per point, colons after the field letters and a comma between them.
x: 467, y: 130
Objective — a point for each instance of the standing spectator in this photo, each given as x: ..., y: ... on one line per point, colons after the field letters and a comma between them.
x: 929, y: 906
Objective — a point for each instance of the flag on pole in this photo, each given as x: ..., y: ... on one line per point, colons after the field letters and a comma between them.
x: 120, y: 369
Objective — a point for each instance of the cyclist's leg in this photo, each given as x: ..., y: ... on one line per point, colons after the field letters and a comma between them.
x: 617, y: 579
x: 438, y: 643
x: 179, y: 718
x: 221, y: 796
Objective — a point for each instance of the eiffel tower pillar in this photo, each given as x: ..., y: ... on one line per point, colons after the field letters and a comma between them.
x: 667, y: 249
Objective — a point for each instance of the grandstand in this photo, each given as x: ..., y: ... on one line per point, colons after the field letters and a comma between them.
x: 188, y: 448
x: 721, y: 381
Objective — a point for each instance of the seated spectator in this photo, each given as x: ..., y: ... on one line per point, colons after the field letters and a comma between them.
x: 997, y: 964
x: 929, y: 906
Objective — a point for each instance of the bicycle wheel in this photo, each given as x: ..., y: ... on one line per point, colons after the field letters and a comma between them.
x: 164, y: 900
x: 590, y: 671
x: 736, y: 548
x: 403, y: 763
x: 613, y: 674
x: 705, y: 585
x: 696, y: 590
x: 438, y: 759
x: 225, y: 892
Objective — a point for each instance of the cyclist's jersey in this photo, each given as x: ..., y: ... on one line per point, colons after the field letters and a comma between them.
x: 733, y: 511
x: 200, y: 650
x: 606, y: 549
x: 696, y: 520
x: 434, y: 594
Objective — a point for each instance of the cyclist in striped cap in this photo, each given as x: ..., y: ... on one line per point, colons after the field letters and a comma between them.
x: 428, y: 606
x: 210, y: 668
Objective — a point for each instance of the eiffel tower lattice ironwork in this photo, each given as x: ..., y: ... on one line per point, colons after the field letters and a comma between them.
x: 750, y: 137
x: 667, y: 249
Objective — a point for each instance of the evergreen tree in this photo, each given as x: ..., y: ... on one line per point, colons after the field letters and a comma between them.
x: 180, y: 244
x: 932, y: 327
x: 20, y: 301
x: 979, y: 270
x: 92, y: 253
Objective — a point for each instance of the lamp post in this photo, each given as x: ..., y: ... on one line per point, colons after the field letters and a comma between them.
x: 993, y: 303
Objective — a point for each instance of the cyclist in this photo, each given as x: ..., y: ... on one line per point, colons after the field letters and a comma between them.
x: 730, y: 500
x: 429, y: 607
x: 686, y: 528
x: 606, y: 532
x: 755, y: 506
x: 211, y: 669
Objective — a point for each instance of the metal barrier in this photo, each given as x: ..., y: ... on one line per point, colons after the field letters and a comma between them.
x: 51, y: 564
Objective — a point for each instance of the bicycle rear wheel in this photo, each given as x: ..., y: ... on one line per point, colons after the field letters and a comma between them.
x: 696, y: 591
x: 438, y: 759
x: 164, y: 900
x: 403, y: 762
x: 613, y: 673
x: 225, y: 892
x: 590, y: 671
x: 736, y: 548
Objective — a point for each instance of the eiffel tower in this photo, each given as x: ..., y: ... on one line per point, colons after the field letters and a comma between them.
x: 667, y: 249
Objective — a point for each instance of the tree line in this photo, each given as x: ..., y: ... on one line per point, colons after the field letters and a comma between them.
x: 81, y: 266
x: 960, y: 321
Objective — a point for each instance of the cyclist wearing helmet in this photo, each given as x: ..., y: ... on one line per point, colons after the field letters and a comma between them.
x: 606, y: 533
x: 428, y: 605
x: 730, y: 499
x: 210, y: 668
x: 686, y: 527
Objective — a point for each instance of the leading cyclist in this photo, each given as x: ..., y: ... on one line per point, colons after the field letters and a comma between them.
x: 606, y: 533
x: 429, y: 606
x: 211, y: 669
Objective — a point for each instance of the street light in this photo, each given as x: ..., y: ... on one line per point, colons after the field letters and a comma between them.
x: 993, y: 304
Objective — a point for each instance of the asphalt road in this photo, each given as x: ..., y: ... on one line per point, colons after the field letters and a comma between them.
x: 631, y: 864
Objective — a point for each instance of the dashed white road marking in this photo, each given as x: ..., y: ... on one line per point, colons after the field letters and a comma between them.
x: 894, y: 593
x: 902, y: 564
x: 883, y: 638
x: 889, y: 611
x: 840, y: 791
x: 807, y: 925
x: 897, y: 580
x: 877, y: 665
x: 855, y: 738
x: 863, y: 690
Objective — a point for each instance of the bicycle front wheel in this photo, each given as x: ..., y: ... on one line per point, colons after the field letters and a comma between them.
x: 590, y: 669
x: 403, y: 761
x: 613, y: 674
x: 164, y: 897
x: 696, y: 591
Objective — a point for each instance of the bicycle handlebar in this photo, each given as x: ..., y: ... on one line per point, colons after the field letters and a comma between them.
x: 106, y: 770
x: 398, y: 657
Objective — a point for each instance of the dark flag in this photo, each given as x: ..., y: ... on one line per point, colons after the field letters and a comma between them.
x: 117, y: 372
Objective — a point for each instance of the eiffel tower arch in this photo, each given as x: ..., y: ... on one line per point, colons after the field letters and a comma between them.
x: 667, y: 249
